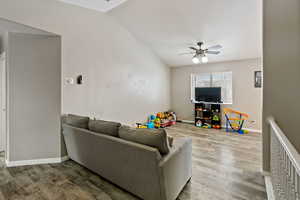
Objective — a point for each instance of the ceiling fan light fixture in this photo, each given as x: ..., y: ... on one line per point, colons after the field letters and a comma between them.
x: 196, y: 60
x: 204, y: 59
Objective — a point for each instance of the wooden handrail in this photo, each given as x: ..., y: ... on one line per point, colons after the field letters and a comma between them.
x: 287, y: 145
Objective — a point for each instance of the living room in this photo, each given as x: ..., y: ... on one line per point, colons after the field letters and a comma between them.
x: 84, y: 83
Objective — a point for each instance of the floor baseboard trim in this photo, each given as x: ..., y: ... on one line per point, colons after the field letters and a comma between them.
x: 64, y: 158
x: 223, y: 126
x: 187, y: 121
x: 247, y: 129
x: 35, y: 162
x: 253, y: 130
x: 269, y: 188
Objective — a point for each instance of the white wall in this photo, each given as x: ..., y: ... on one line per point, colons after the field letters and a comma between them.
x: 282, y: 70
x: 246, y: 98
x: 1, y: 42
x: 34, y: 96
x: 123, y: 79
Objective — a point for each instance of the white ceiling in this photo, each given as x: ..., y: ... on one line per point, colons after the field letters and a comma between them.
x: 169, y: 26
x: 100, y: 5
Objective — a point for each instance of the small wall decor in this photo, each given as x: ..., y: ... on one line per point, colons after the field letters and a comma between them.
x: 258, y: 79
x: 79, y: 80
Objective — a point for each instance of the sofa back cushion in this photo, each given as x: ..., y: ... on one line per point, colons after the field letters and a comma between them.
x: 156, y: 138
x: 77, y: 121
x: 104, y: 127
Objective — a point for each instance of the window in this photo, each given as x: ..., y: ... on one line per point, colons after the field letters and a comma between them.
x: 216, y: 79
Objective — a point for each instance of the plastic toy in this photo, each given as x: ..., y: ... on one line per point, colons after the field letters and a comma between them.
x: 235, y: 120
x: 160, y: 115
x: 152, y: 118
x: 150, y: 125
x: 139, y: 125
x: 216, y: 118
x: 206, y: 125
x: 199, y: 123
x: 157, y: 123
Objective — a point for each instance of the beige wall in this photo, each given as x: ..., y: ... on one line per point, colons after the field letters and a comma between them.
x: 34, y: 96
x: 246, y: 98
x: 123, y: 79
x: 281, y: 70
x: 1, y: 43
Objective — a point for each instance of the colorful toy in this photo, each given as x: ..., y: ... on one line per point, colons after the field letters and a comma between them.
x: 151, y: 118
x: 157, y: 123
x: 161, y: 120
x: 216, y: 118
x: 199, y: 123
x: 160, y: 115
x: 150, y: 125
x: 206, y: 125
x: 235, y: 120
x: 216, y: 126
x: 139, y: 125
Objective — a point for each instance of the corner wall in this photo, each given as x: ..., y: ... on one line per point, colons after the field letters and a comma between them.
x: 246, y: 98
x: 123, y: 80
x: 281, y: 71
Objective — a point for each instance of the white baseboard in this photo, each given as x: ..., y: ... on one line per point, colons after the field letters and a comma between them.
x: 188, y: 121
x: 247, y: 129
x: 35, y: 162
x: 64, y: 158
x: 223, y: 126
x: 269, y: 188
x: 253, y: 130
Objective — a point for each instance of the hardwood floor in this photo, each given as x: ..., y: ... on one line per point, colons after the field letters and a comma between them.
x: 226, y: 166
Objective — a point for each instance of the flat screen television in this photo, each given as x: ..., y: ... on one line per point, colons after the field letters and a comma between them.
x: 208, y: 94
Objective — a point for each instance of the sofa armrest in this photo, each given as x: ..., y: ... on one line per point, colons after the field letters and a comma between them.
x: 176, y: 168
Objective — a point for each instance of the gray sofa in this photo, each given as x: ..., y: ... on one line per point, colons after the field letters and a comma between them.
x: 137, y: 168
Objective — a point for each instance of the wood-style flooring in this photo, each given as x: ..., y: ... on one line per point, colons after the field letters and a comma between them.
x: 226, y: 166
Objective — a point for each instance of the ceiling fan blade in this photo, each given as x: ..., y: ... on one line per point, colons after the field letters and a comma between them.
x: 213, y: 52
x: 215, y: 47
x: 187, y: 53
x: 193, y: 48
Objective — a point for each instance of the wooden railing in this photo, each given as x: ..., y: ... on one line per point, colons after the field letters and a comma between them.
x: 285, y: 165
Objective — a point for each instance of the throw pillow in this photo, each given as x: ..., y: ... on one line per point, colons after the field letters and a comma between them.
x: 156, y: 138
x: 104, y: 127
x: 77, y: 121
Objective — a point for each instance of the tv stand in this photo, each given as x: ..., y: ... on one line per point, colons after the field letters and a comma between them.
x: 208, y: 115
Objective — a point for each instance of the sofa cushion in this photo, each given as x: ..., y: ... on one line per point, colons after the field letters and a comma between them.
x: 77, y: 121
x: 156, y: 138
x: 104, y: 127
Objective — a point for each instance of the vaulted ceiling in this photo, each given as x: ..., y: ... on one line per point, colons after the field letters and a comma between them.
x: 100, y: 5
x: 170, y: 26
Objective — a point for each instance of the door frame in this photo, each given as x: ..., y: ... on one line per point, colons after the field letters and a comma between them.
x: 3, y: 133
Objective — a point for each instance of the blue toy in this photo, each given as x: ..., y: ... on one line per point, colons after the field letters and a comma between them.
x: 150, y: 125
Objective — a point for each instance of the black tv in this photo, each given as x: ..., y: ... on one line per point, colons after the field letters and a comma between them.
x: 208, y: 94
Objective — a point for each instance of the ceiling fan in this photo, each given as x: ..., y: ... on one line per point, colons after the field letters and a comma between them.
x: 202, y: 52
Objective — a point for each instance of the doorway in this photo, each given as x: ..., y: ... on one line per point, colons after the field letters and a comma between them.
x: 30, y: 95
x: 3, y: 108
